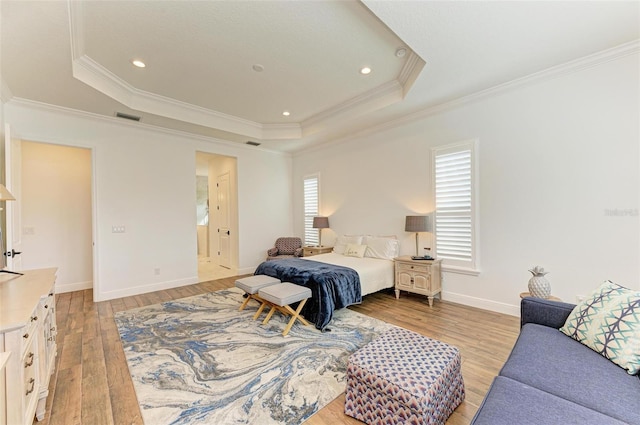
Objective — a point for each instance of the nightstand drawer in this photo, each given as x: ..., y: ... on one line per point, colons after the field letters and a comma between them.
x: 309, y: 251
x: 418, y: 268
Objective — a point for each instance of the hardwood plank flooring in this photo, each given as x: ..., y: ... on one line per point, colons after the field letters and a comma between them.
x: 91, y: 384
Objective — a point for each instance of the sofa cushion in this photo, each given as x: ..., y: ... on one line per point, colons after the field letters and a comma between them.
x: 550, y: 361
x: 608, y: 322
x: 510, y: 402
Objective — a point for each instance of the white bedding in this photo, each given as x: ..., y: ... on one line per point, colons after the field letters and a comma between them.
x: 375, y: 273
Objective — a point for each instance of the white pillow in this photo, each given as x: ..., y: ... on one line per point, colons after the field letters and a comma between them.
x: 386, y: 248
x: 355, y: 250
x: 341, y: 243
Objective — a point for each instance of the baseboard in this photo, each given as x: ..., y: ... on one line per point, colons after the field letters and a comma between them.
x: 483, y: 303
x: 247, y: 270
x: 70, y: 287
x: 143, y: 289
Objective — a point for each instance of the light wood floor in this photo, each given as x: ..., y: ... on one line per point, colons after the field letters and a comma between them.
x: 91, y: 383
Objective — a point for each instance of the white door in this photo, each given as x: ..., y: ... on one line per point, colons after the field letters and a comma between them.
x: 224, y: 233
x: 13, y: 182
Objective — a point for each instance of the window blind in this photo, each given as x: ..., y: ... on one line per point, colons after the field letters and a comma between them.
x: 454, y: 200
x: 311, y: 209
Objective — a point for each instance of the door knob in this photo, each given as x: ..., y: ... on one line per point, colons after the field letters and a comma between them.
x: 12, y: 253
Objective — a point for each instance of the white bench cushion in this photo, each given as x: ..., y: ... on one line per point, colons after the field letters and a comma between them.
x: 285, y: 293
x: 253, y: 284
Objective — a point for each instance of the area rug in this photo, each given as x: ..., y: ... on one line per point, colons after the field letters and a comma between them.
x: 199, y: 360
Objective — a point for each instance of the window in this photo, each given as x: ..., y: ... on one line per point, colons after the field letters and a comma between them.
x: 311, y: 208
x: 454, y: 172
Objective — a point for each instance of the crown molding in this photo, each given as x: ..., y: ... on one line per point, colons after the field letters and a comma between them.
x: 78, y: 114
x: 87, y: 70
x: 372, y: 100
x: 410, y: 72
x: 589, y: 61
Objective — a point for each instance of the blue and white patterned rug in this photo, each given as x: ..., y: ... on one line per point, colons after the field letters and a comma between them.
x: 198, y: 360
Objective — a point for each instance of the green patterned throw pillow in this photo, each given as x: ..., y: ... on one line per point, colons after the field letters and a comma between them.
x: 608, y: 322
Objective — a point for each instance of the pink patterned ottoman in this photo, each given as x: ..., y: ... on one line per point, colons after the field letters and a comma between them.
x: 403, y: 377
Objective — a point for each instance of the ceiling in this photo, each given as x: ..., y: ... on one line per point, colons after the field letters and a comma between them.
x: 202, y: 57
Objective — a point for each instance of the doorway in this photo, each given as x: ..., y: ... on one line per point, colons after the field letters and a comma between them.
x: 56, y: 225
x: 216, y: 216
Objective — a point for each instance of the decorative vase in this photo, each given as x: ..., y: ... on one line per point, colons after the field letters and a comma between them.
x: 539, y: 286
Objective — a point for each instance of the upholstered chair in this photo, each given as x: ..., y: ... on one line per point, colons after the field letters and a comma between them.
x: 287, y: 247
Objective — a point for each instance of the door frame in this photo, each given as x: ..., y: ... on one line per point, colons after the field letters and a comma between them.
x: 94, y: 209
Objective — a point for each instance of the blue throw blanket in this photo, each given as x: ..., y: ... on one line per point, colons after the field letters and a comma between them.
x: 332, y: 287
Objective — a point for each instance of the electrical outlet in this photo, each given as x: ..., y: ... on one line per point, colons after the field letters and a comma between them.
x: 28, y: 230
x: 117, y: 229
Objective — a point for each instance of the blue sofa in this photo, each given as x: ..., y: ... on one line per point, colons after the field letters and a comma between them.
x: 551, y: 379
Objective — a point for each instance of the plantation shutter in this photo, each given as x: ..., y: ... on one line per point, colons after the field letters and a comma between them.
x: 454, y: 201
x: 311, y: 209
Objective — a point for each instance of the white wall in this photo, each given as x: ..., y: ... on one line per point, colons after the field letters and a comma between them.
x: 144, y: 180
x: 554, y: 157
x: 56, y: 213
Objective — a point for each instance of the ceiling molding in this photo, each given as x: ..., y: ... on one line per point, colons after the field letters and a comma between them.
x: 372, y: 100
x: 410, y: 72
x: 596, y: 59
x: 75, y: 113
x: 92, y: 73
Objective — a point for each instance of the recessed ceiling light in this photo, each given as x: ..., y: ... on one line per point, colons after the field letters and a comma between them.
x: 366, y: 70
x: 138, y: 63
x: 257, y: 67
x: 400, y: 52
x: 286, y: 113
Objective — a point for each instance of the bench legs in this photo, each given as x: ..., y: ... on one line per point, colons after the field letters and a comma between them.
x: 287, y: 311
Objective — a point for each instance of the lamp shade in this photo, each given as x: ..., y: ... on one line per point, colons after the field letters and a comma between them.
x: 320, y: 222
x: 5, y: 195
x: 417, y: 223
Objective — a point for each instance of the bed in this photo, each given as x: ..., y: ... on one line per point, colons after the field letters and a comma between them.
x: 340, y: 278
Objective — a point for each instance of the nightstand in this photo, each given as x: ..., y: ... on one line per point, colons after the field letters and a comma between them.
x: 418, y: 276
x: 309, y: 251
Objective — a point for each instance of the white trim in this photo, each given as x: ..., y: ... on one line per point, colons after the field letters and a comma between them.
x: 410, y: 72
x: 461, y: 270
x: 372, y: 100
x: 596, y: 59
x: 71, y: 287
x: 95, y: 75
x: 483, y: 303
x: 31, y: 104
x: 143, y: 289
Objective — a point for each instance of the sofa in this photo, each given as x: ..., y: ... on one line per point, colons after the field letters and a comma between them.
x: 550, y: 378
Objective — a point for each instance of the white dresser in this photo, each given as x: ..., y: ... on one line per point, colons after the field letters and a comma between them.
x: 28, y: 333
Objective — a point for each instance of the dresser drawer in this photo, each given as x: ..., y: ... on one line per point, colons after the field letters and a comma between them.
x: 30, y: 379
x: 425, y: 269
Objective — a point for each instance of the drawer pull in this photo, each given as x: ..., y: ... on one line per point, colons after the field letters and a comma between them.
x: 30, y: 362
x: 33, y: 385
x: 46, y: 306
x: 53, y: 329
x: 34, y: 318
x: 25, y: 336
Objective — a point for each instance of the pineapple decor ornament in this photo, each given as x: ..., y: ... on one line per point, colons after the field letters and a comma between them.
x: 539, y: 286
